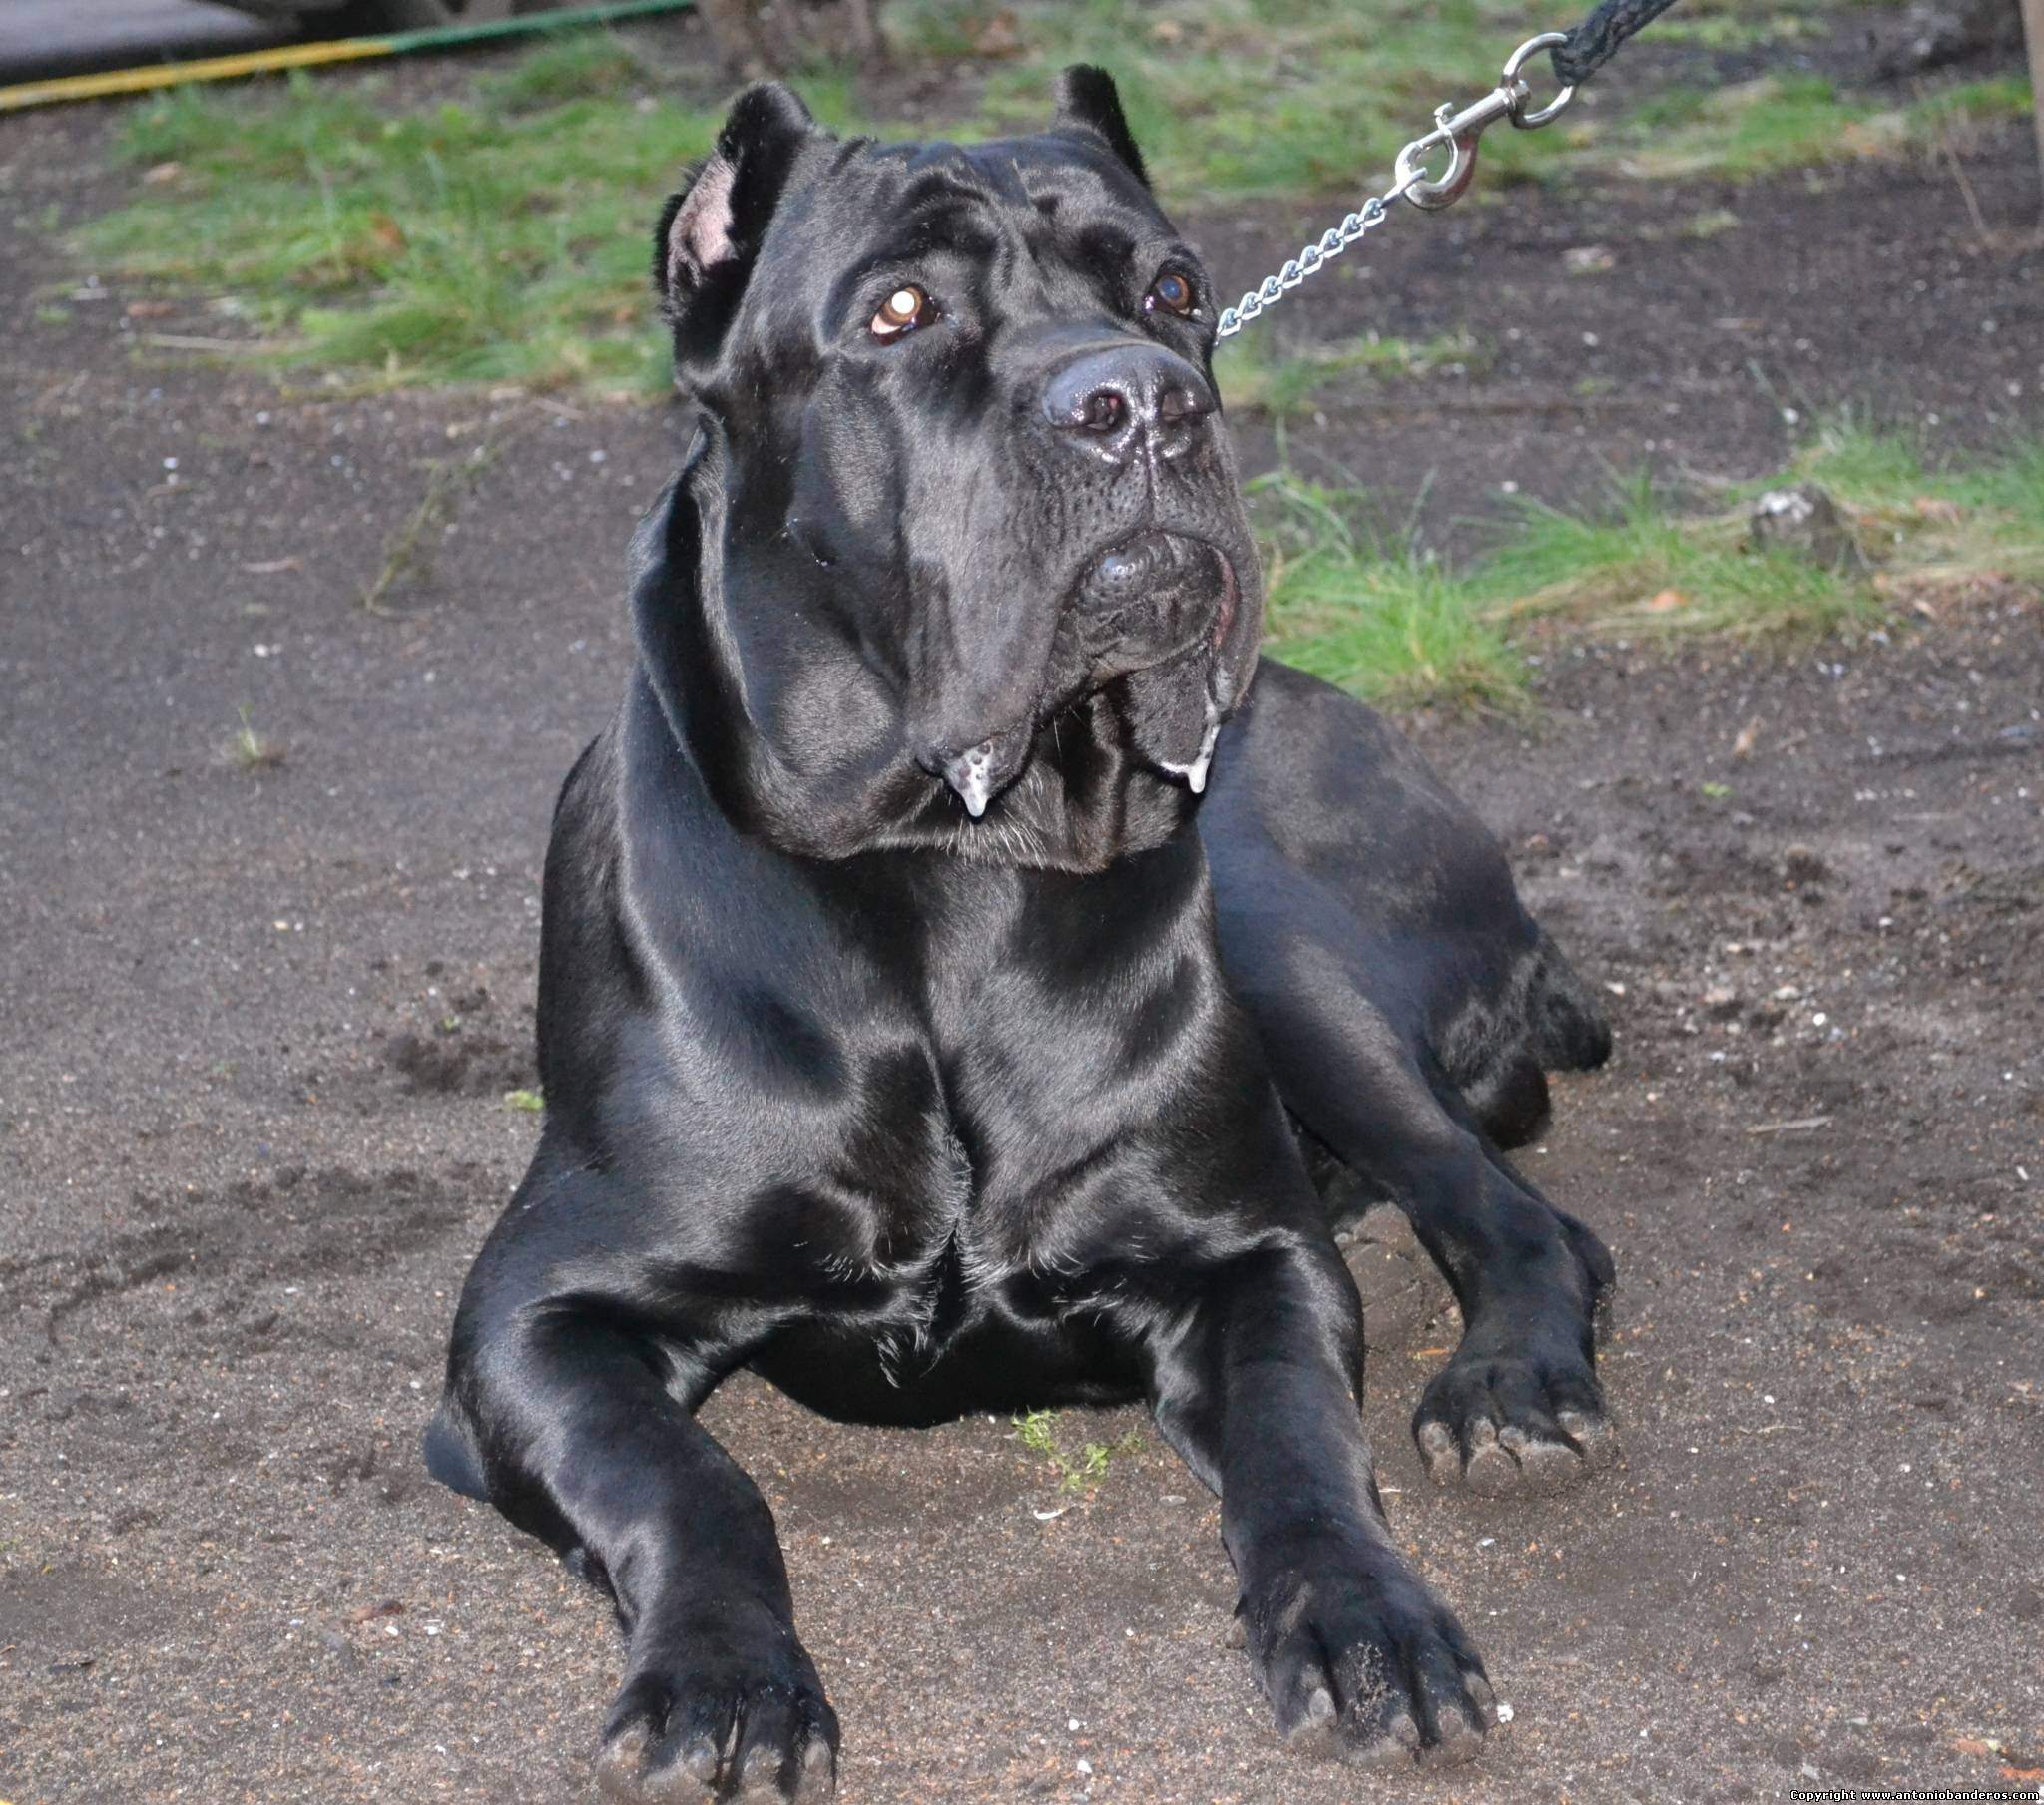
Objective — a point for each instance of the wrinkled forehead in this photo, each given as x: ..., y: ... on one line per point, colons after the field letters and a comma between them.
x: 1055, y: 195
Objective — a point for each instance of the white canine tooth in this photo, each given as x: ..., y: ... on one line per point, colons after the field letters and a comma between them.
x: 970, y: 776
x: 1195, y: 774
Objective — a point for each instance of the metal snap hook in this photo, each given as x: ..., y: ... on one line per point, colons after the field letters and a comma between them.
x: 1432, y: 192
x: 1460, y: 131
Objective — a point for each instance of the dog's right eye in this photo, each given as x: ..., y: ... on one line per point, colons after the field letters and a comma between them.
x: 902, y: 311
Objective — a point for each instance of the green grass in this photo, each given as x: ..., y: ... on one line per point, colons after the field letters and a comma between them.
x: 1403, y: 628
x: 1734, y: 31
x: 1037, y: 1430
x: 1258, y: 376
x: 250, y: 750
x: 459, y: 244
x: 503, y: 240
x: 1267, y: 100
x: 503, y: 237
x: 1775, y: 123
x: 577, y: 65
x: 1380, y: 618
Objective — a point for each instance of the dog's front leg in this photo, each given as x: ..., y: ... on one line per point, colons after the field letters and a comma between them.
x: 571, y: 1405
x: 1257, y: 1386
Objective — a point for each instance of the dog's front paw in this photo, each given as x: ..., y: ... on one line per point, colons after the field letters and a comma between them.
x: 717, y: 1722
x: 1517, y: 1425
x: 1359, y: 1659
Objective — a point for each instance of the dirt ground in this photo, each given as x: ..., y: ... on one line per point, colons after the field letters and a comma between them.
x: 262, y: 1016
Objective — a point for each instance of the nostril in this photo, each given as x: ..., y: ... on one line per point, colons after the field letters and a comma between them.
x: 1102, y: 410
x: 1177, y: 405
x: 1122, y: 569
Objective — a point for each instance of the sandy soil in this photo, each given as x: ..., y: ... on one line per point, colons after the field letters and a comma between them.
x: 260, y: 1021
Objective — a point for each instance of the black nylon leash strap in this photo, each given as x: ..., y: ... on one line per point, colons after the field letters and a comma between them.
x: 1594, y: 42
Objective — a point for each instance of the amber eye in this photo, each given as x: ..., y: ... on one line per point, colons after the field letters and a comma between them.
x: 902, y: 311
x: 1172, y: 292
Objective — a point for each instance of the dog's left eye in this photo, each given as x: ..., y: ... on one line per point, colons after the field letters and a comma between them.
x: 902, y: 311
x: 1173, y: 294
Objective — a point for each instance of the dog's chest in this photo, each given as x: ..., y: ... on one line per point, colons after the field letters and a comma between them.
x: 963, y: 1120
x: 940, y: 1282
x: 1029, y: 1140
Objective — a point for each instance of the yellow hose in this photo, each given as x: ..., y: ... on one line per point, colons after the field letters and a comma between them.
x: 201, y: 69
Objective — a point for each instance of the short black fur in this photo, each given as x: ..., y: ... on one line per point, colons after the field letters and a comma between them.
x: 923, y: 1029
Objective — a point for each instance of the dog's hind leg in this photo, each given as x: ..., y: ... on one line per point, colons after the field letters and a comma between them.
x: 572, y: 1388
x: 1518, y: 1407
x: 1498, y: 1045
x: 1409, y: 1008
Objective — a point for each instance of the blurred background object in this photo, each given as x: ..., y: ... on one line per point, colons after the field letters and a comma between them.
x: 44, y: 39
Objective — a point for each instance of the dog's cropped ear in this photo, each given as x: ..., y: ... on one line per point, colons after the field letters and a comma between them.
x: 710, y: 230
x: 1088, y: 102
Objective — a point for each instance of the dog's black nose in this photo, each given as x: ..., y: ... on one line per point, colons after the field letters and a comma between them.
x: 1110, y: 402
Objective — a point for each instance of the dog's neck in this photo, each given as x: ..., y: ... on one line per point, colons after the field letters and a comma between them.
x: 1083, y: 801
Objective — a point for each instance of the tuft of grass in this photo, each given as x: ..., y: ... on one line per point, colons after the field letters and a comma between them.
x: 1037, y: 1432
x: 1256, y: 377
x: 1403, y: 628
x: 1711, y: 223
x: 1973, y: 104
x: 250, y: 750
x: 1642, y: 568
x: 409, y: 556
x: 1757, y: 127
x: 1734, y: 31
x: 1394, y: 626
x: 529, y: 1103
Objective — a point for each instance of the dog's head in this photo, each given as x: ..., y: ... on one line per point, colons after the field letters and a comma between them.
x: 959, y: 558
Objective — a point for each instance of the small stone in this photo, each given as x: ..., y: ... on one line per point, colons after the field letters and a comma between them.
x: 1801, y: 865
x: 1932, y: 33
x: 1806, y: 521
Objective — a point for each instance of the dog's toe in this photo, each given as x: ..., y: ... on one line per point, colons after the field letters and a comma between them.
x: 1592, y: 1432
x: 1489, y: 1466
x: 1439, y: 1449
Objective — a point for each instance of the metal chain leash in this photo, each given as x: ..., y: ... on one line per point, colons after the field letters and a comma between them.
x: 1456, y: 132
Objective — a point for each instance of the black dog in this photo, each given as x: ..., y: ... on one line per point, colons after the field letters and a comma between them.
x: 911, y: 1032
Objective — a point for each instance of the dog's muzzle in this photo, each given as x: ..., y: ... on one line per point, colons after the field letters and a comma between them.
x: 1157, y: 594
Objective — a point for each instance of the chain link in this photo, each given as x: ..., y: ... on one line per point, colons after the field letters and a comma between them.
x: 1310, y: 262
x: 1455, y: 131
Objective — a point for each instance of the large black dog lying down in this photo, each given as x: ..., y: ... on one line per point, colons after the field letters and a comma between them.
x: 916, y: 1033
